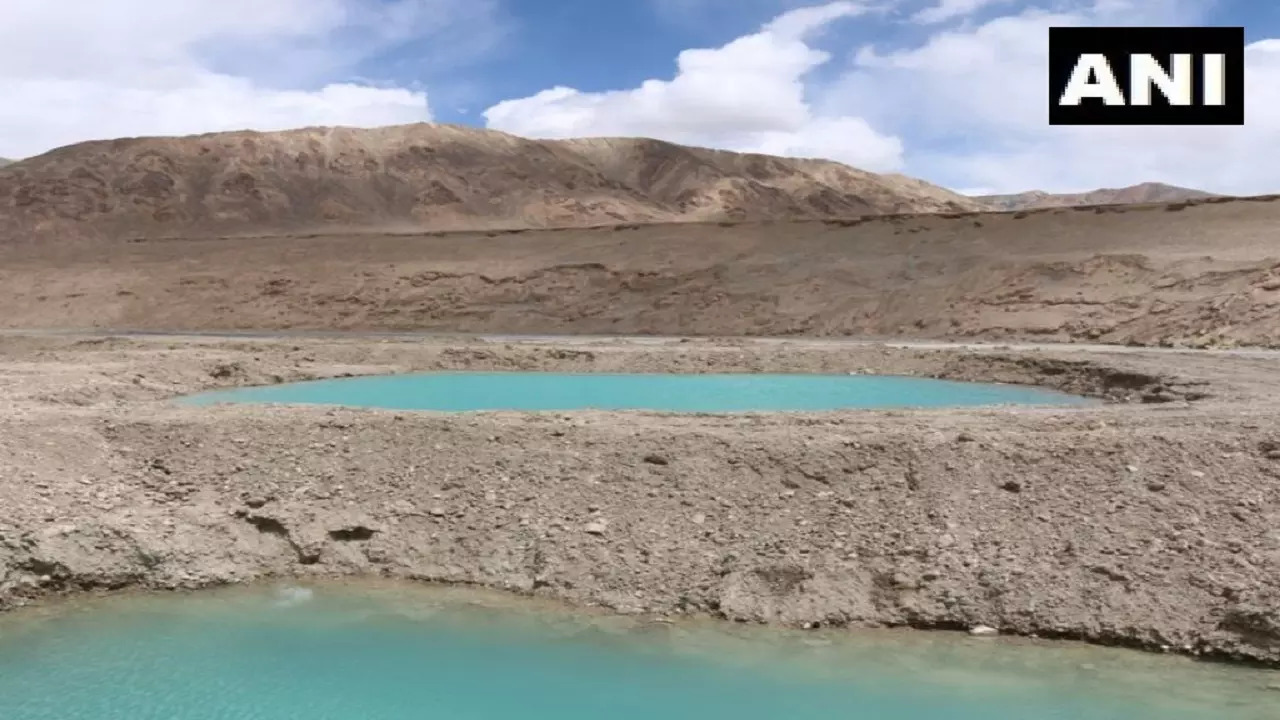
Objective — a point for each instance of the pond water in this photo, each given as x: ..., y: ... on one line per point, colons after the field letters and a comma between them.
x: 393, y: 652
x: 468, y: 391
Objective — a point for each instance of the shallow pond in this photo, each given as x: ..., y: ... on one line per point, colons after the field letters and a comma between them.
x: 377, y: 651
x: 737, y: 392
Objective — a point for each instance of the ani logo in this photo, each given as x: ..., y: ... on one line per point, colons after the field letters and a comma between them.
x: 1146, y: 76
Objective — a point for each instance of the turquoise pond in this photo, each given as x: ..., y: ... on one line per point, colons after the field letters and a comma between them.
x: 402, y: 653
x: 468, y: 391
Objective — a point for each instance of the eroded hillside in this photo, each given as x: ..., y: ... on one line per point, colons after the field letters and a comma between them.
x: 431, y: 177
x: 1194, y: 274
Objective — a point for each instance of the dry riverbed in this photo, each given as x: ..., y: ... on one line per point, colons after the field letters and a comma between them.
x: 1151, y: 521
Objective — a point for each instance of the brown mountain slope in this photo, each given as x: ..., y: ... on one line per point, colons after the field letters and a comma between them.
x: 1144, y: 193
x: 432, y: 177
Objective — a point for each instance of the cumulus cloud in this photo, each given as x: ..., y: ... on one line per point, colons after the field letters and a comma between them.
x: 971, y: 102
x: 748, y: 95
x: 82, y: 69
x: 966, y: 106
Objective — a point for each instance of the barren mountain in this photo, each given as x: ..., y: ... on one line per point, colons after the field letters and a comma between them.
x: 428, y: 177
x: 1144, y: 193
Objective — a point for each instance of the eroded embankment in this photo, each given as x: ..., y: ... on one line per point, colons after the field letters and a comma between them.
x: 1137, y: 525
x: 1202, y: 275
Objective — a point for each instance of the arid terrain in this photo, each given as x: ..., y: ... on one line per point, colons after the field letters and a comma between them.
x: 1150, y: 521
x: 422, y: 177
x: 1198, y: 273
x: 1150, y: 192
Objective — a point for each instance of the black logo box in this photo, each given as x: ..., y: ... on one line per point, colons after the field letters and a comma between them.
x: 1066, y: 44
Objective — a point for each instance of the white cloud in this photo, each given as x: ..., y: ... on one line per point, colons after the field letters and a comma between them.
x: 965, y: 107
x: 747, y: 95
x: 82, y: 69
x: 951, y: 9
x: 972, y: 104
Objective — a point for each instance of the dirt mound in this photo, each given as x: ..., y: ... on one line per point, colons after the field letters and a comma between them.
x: 1144, y: 193
x: 1196, y: 274
x: 433, y: 177
x: 1117, y: 524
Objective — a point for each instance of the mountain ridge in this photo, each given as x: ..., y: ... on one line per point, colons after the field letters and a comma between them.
x: 428, y: 177
x: 1147, y: 192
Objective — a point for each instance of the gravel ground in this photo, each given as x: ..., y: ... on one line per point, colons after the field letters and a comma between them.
x: 1151, y: 521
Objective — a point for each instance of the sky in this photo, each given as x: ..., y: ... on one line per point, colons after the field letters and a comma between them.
x: 951, y: 91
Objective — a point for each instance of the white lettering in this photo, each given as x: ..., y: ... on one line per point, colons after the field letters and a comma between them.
x: 1175, y: 85
x: 1105, y: 87
x: 1215, y: 79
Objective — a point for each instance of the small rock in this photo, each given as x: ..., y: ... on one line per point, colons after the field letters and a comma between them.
x: 699, y: 519
x: 656, y: 460
x: 965, y: 437
x: 1132, y: 468
x: 1197, y: 474
x: 1156, y: 486
x: 437, y: 511
x: 983, y: 631
x: 595, y: 528
x: 1012, y: 486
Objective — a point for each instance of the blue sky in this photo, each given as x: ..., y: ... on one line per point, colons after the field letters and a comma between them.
x: 631, y: 41
x: 948, y: 90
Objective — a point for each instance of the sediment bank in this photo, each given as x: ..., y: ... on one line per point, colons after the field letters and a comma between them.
x: 1150, y: 521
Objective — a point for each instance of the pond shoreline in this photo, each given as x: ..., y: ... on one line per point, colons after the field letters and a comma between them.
x: 1147, y: 522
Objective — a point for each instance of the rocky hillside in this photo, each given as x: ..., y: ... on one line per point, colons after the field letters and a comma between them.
x: 1134, y: 194
x: 5, y: 161
x: 432, y: 177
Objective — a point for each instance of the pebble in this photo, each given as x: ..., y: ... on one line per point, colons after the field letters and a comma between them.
x: 983, y: 631
x: 595, y: 528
